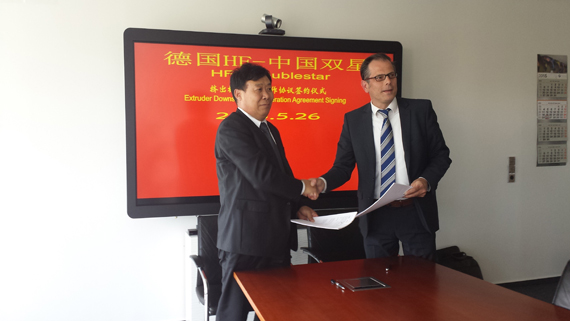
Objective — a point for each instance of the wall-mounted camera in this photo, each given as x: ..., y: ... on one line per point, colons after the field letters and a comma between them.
x: 272, y: 25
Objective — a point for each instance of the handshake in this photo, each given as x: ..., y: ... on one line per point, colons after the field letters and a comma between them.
x: 313, y: 187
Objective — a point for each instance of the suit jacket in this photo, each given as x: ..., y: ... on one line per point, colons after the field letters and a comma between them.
x: 425, y: 151
x: 258, y: 198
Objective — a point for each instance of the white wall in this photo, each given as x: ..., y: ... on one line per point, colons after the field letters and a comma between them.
x: 69, y: 250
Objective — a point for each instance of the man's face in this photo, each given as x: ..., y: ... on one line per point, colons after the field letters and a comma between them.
x: 256, y: 99
x: 381, y: 92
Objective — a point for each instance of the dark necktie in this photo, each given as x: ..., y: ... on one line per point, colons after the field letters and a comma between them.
x: 265, y: 129
x: 388, y: 162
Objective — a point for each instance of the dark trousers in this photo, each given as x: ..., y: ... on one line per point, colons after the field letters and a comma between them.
x: 388, y: 226
x: 233, y: 304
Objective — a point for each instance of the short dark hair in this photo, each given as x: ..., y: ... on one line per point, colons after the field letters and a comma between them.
x: 364, y: 72
x: 248, y: 71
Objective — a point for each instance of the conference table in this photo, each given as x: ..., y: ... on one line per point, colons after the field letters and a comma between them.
x: 418, y: 290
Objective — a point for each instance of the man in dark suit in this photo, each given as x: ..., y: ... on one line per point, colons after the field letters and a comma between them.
x: 421, y: 158
x: 258, y: 193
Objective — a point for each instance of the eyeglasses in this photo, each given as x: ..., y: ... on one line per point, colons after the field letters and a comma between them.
x: 391, y: 75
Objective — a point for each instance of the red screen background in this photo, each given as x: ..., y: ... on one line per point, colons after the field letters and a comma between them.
x: 182, y: 95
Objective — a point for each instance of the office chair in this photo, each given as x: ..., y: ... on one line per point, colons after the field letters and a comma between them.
x: 209, y: 279
x: 453, y: 258
x: 334, y: 245
x: 562, y: 294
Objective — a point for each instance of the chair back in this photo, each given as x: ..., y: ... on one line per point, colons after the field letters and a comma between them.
x: 562, y: 294
x: 208, y: 251
x: 336, y: 245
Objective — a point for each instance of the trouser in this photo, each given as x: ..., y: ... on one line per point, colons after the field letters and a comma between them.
x: 233, y: 304
x: 388, y: 226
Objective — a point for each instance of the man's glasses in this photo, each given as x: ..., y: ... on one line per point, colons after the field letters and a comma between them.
x: 391, y: 75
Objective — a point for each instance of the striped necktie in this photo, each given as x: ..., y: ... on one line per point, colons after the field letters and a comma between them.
x: 388, y: 161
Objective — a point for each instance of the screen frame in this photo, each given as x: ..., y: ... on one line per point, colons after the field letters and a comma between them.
x: 188, y: 206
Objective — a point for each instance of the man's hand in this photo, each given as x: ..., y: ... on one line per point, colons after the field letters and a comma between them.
x: 318, y: 183
x: 306, y: 213
x: 419, y: 188
x: 310, y: 190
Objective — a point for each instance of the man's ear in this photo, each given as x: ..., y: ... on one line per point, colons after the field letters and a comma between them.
x: 238, y: 94
x: 364, y: 85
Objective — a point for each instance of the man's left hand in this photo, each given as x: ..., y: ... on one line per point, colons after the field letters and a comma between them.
x: 419, y: 188
x: 306, y: 213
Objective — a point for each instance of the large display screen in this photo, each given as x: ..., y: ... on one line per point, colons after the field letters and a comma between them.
x: 177, y: 93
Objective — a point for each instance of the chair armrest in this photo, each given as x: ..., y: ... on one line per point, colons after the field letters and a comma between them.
x: 198, y: 261
x: 201, y: 274
x: 312, y: 253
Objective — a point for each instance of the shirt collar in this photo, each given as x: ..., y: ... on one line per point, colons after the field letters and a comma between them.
x: 393, y: 107
x: 255, y: 121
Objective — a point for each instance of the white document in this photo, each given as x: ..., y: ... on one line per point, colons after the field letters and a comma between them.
x: 332, y: 222
x: 342, y: 220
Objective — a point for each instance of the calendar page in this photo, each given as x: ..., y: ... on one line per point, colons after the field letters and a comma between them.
x: 552, y: 154
x: 552, y: 109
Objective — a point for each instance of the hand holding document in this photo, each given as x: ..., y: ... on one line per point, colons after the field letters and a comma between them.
x: 342, y: 220
x: 395, y: 192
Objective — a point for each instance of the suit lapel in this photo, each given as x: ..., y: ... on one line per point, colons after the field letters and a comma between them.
x: 265, y: 143
x: 405, y: 120
x: 365, y: 124
x: 280, y: 149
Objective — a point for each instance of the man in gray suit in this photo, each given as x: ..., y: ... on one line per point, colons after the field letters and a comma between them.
x: 419, y: 157
x: 258, y: 193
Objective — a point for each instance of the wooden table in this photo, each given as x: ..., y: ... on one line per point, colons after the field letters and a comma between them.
x: 419, y: 290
